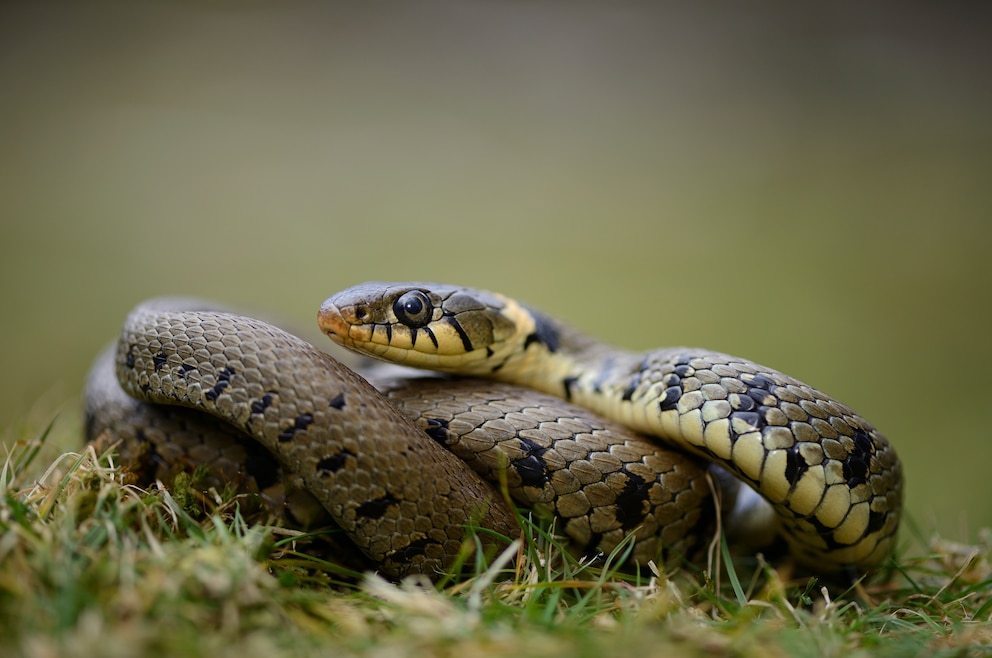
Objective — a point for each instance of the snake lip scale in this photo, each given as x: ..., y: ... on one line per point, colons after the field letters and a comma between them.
x: 605, y: 440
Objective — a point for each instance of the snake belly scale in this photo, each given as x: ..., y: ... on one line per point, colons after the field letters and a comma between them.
x: 833, y: 479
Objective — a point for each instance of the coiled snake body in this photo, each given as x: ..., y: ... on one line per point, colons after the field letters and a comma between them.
x: 404, y: 498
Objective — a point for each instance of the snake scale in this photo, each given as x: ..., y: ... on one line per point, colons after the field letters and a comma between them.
x: 589, y: 444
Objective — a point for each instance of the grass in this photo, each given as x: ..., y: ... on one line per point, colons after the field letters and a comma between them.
x: 91, y: 565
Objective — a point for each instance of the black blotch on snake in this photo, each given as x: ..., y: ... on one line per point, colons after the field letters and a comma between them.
x: 223, y: 381
x: 876, y: 521
x: 260, y: 405
x: 413, y: 549
x: 863, y: 443
x: 825, y: 532
x: 752, y: 419
x: 635, y: 381
x: 671, y: 400
x: 437, y: 429
x: 630, y: 501
x: 857, y: 463
x: 333, y: 463
x: 299, y: 424
x: 795, y: 465
x: 544, y: 332
x: 743, y: 403
x: 567, y: 383
x: 532, y: 469
x: 592, y: 546
x: 374, y: 509
x: 760, y: 382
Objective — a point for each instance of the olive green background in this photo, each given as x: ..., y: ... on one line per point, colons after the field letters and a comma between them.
x: 805, y: 186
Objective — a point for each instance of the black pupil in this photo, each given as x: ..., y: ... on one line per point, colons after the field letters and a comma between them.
x: 413, y: 306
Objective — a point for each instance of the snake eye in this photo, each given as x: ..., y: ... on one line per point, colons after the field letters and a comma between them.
x: 413, y: 309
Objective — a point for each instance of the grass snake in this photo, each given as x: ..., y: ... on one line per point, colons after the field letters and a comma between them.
x: 592, y: 434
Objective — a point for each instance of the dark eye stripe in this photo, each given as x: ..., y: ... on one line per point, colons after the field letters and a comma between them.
x: 466, y: 341
x: 430, y: 334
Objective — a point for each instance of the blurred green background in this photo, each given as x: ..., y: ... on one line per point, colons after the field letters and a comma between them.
x: 806, y: 186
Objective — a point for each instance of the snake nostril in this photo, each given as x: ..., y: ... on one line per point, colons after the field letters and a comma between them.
x: 361, y: 312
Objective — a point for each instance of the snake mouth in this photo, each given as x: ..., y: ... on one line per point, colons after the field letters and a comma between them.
x: 333, y: 323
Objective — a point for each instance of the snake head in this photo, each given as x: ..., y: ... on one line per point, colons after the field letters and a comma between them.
x: 425, y: 325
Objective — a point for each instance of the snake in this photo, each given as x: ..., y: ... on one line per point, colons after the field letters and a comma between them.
x: 605, y: 441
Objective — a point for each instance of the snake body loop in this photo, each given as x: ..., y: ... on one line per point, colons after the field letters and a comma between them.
x: 833, y: 479
x: 403, y: 500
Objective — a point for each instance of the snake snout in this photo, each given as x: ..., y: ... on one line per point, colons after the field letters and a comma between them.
x: 335, y: 322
